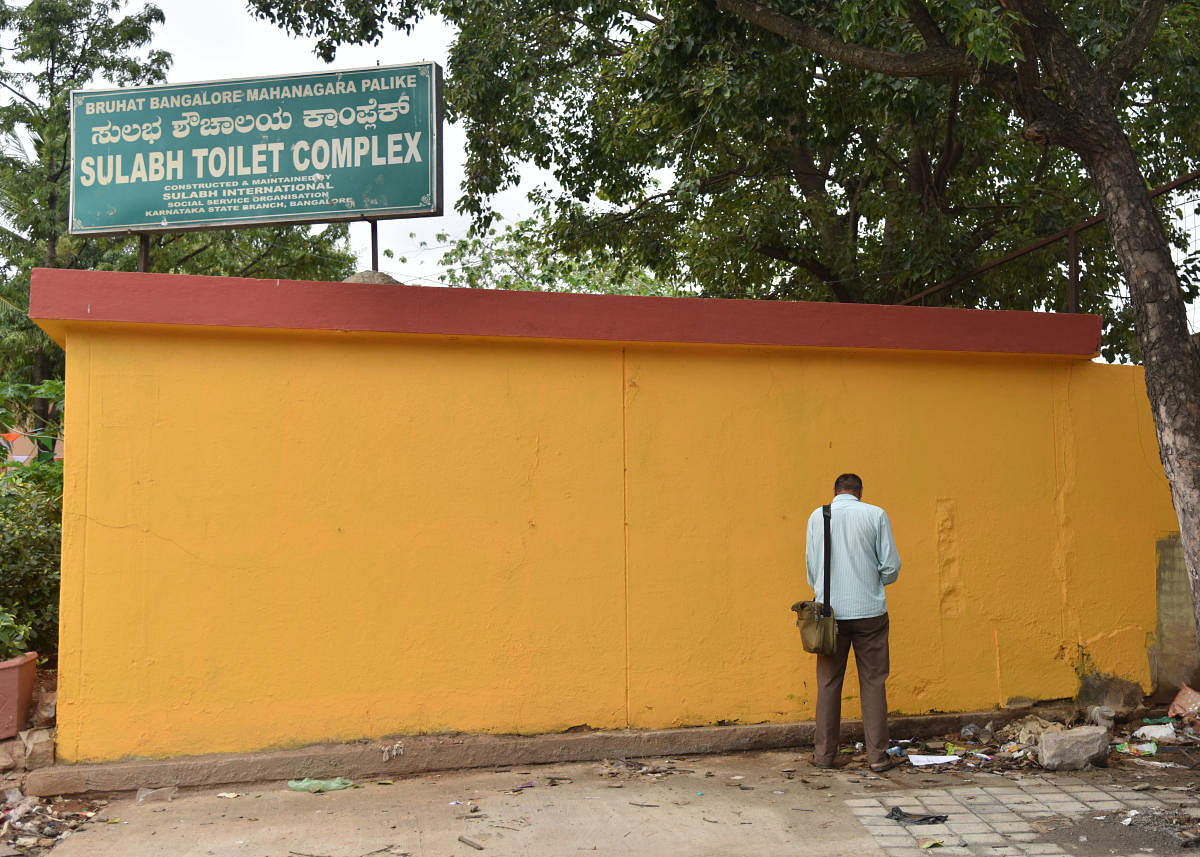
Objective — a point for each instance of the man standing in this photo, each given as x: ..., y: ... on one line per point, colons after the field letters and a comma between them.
x: 864, y: 560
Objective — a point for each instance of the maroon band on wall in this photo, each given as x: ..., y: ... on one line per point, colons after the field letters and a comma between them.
x: 59, y: 296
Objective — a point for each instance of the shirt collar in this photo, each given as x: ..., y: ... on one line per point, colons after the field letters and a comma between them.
x: 840, y: 499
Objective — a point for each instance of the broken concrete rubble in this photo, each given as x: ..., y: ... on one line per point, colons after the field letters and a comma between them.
x: 39, y: 748
x: 1073, y: 749
x: 12, y: 755
x: 28, y: 822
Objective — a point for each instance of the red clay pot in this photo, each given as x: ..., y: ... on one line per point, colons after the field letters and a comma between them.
x: 16, y: 692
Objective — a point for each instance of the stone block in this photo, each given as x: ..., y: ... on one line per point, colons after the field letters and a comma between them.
x: 1073, y: 749
x: 39, y: 748
x: 12, y: 755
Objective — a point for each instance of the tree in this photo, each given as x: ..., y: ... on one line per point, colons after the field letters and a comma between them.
x: 691, y: 144
x: 1080, y: 85
x: 521, y: 258
x: 56, y: 46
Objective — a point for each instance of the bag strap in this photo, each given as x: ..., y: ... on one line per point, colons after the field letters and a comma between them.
x: 826, y: 512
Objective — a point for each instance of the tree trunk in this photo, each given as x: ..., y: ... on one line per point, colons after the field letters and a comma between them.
x: 1171, y: 357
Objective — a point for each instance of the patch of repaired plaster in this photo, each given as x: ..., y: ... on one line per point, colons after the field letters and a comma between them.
x: 951, y: 598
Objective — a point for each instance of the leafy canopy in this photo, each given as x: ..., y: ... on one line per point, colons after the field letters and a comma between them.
x: 691, y: 142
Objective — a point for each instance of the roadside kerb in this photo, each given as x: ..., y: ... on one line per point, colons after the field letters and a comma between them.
x: 415, y: 754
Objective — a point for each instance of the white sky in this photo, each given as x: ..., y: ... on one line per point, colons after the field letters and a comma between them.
x: 218, y: 39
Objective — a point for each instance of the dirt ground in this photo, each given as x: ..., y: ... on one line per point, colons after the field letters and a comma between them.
x: 765, y: 793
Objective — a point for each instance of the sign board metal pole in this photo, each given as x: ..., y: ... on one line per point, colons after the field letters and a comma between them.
x: 374, y: 245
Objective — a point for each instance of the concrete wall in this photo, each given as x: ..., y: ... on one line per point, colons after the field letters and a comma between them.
x: 298, y: 512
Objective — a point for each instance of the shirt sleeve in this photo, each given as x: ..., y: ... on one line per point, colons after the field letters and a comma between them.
x: 889, y: 557
x: 814, y: 556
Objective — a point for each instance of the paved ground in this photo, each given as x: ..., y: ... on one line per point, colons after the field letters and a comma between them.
x: 765, y: 803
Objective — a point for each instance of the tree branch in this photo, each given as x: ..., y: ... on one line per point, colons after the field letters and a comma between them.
x: 643, y: 15
x: 918, y: 13
x: 22, y: 96
x: 1120, y: 63
x: 952, y: 149
x: 179, y: 263
x: 934, y: 61
x: 813, y: 266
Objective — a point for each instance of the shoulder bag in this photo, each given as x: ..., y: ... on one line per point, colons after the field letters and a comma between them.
x: 818, y: 627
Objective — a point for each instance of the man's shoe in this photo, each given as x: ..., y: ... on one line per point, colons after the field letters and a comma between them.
x: 822, y: 765
x: 881, y: 767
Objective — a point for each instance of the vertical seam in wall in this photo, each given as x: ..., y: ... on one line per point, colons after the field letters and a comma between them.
x: 1064, y: 463
x: 79, y: 466
x: 625, y: 516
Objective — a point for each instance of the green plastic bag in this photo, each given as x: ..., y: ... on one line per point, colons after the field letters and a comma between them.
x: 317, y: 786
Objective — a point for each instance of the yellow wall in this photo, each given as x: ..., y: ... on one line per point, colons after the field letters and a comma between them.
x: 273, y: 539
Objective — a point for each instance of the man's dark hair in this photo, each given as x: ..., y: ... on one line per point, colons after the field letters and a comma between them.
x: 847, y: 482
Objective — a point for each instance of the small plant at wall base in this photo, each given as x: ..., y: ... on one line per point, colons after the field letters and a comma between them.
x: 31, y: 516
x: 14, y: 637
x: 17, y: 673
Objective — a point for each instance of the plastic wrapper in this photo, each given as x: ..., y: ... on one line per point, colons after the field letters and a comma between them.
x: 1186, y: 704
x: 317, y: 786
x: 145, y: 795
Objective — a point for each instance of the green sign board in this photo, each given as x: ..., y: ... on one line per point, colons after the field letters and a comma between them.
x: 307, y: 148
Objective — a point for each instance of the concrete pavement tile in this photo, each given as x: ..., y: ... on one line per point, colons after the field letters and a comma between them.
x: 1066, y: 807
x: 1042, y: 848
x: 1023, y: 837
x: 922, y: 830
x: 889, y: 842
x: 997, y: 817
x: 1105, y: 805
x: 969, y: 827
x: 914, y: 851
x: 867, y: 811
x: 983, y: 839
x: 878, y: 830
x: 1011, y: 827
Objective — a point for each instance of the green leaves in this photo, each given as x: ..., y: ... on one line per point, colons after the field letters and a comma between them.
x: 14, y: 636
x: 698, y: 145
x: 31, y: 515
x: 522, y: 258
x: 30, y: 533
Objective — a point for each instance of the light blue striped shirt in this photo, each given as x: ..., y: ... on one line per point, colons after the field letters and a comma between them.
x: 864, y: 558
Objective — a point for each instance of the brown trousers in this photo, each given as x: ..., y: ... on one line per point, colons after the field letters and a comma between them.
x: 869, y: 637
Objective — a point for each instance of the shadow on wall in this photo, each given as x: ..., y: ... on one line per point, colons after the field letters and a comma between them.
x: 1174, y: 657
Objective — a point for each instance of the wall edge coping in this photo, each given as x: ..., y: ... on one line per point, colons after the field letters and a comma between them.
x: 61, y: 298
